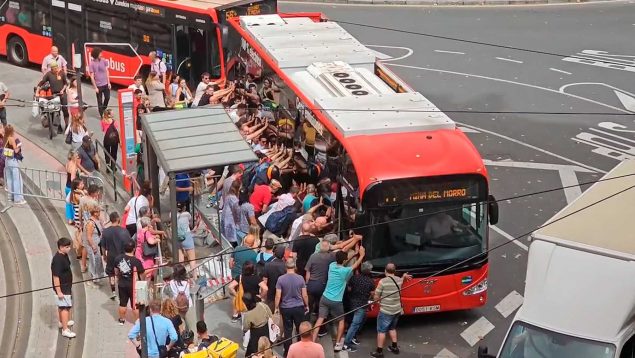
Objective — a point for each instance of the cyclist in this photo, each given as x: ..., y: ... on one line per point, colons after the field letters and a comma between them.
x: 56, y: 78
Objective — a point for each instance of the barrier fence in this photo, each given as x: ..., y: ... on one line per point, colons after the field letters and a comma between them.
x: 48, y: 184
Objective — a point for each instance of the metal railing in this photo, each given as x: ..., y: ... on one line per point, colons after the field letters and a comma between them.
x: 117, y: 176
x: 49, y: 184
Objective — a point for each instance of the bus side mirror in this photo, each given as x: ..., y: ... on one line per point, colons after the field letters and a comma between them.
x: 482, y: 353
x: 492, y: 209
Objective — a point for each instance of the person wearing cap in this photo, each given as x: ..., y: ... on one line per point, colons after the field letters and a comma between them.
x: 292, y: 301
x: 56, y: 78
x: 88, y: 155
x: 262, y: 196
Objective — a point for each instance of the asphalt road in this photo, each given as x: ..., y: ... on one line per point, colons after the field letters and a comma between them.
x: 535, y: 152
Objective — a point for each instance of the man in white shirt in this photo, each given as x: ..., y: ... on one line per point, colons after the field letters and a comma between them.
x: 200, y: 89
x: 238, y: 113
x: 54, y: 56
x: 157, y: 66
x: 138, y: 84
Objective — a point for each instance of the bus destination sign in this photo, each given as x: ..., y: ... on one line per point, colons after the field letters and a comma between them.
x: 426, y: 192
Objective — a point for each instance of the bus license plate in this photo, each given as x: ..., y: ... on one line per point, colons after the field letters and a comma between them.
x: 422, y: 309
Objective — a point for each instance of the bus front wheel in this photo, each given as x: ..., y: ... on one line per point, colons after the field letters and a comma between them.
x: 16, y: 51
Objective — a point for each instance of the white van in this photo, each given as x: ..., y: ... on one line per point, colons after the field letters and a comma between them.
x: 580, y: 284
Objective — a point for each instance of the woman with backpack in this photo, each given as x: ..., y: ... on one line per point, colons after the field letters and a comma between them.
x: 111, y: 138
x: 180, y: 286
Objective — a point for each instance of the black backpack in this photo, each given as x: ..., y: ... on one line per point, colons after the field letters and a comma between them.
x: 260, y: 265
x: 278, y: 223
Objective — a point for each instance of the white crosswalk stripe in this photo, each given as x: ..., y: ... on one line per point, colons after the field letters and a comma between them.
x: 477, y: 331
x: 509, y: 304
x: 445, y: 353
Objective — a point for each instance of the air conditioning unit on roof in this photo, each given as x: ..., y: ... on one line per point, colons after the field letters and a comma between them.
x: 341, y: 79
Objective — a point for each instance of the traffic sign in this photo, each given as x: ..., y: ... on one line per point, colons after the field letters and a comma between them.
x: 121, y: 66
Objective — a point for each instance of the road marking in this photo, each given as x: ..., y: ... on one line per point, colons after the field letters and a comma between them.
x: 509, y: 304
x: 512, y: 82
x: 625, y: 92
x: 627, y: 101
x: 570, y: 180
x: 468, y: 130
x: 452, y: 52
x: 532, y: 165
x: 607, y: 143
x: 508, y: 60
x: 561, y: 71
x: 477, y: 331
x: 603, y: 59
x: 510, y: 238
x: 567, y: 174
x: 381, y: 56
x: 445, y: 353
x: 408, y: 50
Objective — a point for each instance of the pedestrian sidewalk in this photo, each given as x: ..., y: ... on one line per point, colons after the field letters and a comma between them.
x: 103, y: 336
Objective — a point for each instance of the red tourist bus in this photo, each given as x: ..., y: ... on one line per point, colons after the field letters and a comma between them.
x: 398, y: 158
x: 186, y: 34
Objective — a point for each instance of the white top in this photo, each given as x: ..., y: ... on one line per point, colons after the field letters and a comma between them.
x: 135, y: 204
x: 183, y: 221
x: 181, y: 286
x: 135, y: 87
x: 200, y: 90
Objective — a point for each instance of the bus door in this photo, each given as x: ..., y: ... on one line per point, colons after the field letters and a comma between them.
x: 193, y: 52
x: 58, y: 25
x: 76, y: 35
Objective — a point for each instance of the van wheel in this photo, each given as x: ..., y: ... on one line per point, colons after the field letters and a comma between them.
x: 16, y: 51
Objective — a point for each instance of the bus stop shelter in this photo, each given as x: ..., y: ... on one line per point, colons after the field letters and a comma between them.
x: 189, y: 140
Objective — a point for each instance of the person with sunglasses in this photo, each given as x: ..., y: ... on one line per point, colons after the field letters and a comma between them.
x: 200, y: 89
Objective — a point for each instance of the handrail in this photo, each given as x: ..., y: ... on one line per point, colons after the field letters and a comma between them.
x: 131, y: 176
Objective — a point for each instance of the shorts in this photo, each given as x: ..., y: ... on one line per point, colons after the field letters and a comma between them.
x: 188, y: 243
x: 64, y: 303
x: 110, y: 266
x: 387, y: 322
x: 328, y: 307
x: 125, y: 295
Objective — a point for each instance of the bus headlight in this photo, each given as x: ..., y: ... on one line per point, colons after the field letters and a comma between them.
x: 476, y: 289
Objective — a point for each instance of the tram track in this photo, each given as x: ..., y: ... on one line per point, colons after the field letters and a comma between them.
x: 15, y: 337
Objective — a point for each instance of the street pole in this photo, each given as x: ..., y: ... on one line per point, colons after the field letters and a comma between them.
x: 144, y: 336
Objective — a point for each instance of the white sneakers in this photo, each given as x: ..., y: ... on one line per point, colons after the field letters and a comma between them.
x: 68, y: 334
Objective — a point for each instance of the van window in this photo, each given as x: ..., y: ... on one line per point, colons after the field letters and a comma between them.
x: 528, y: 341
x: 628, y: 351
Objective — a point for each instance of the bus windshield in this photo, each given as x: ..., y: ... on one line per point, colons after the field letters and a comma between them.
x: 528, y: 341
x: 426, y: 235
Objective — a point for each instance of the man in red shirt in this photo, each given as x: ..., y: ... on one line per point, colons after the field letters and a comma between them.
x: 262, y: 195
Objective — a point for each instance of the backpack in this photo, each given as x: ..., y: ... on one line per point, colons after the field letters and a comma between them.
x: 260, y: 265
x: 248, y: 175
x: 261, y: 171
x: 278, y: 223
x: 182, y: 301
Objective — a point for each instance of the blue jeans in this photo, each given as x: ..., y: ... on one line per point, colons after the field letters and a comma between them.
x: 358, y: 320
x: 13, y: 179
x: 387, y: 322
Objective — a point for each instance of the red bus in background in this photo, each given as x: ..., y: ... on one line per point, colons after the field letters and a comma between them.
x: 185, y: 34
x: 406, y: 173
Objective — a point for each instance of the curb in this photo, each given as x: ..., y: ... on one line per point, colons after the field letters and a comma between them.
x: 446, y: 2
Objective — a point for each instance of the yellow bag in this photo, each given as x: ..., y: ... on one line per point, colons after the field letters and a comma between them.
x: 223, y: 348
x: 199, y: 354
x: 239, y: 305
